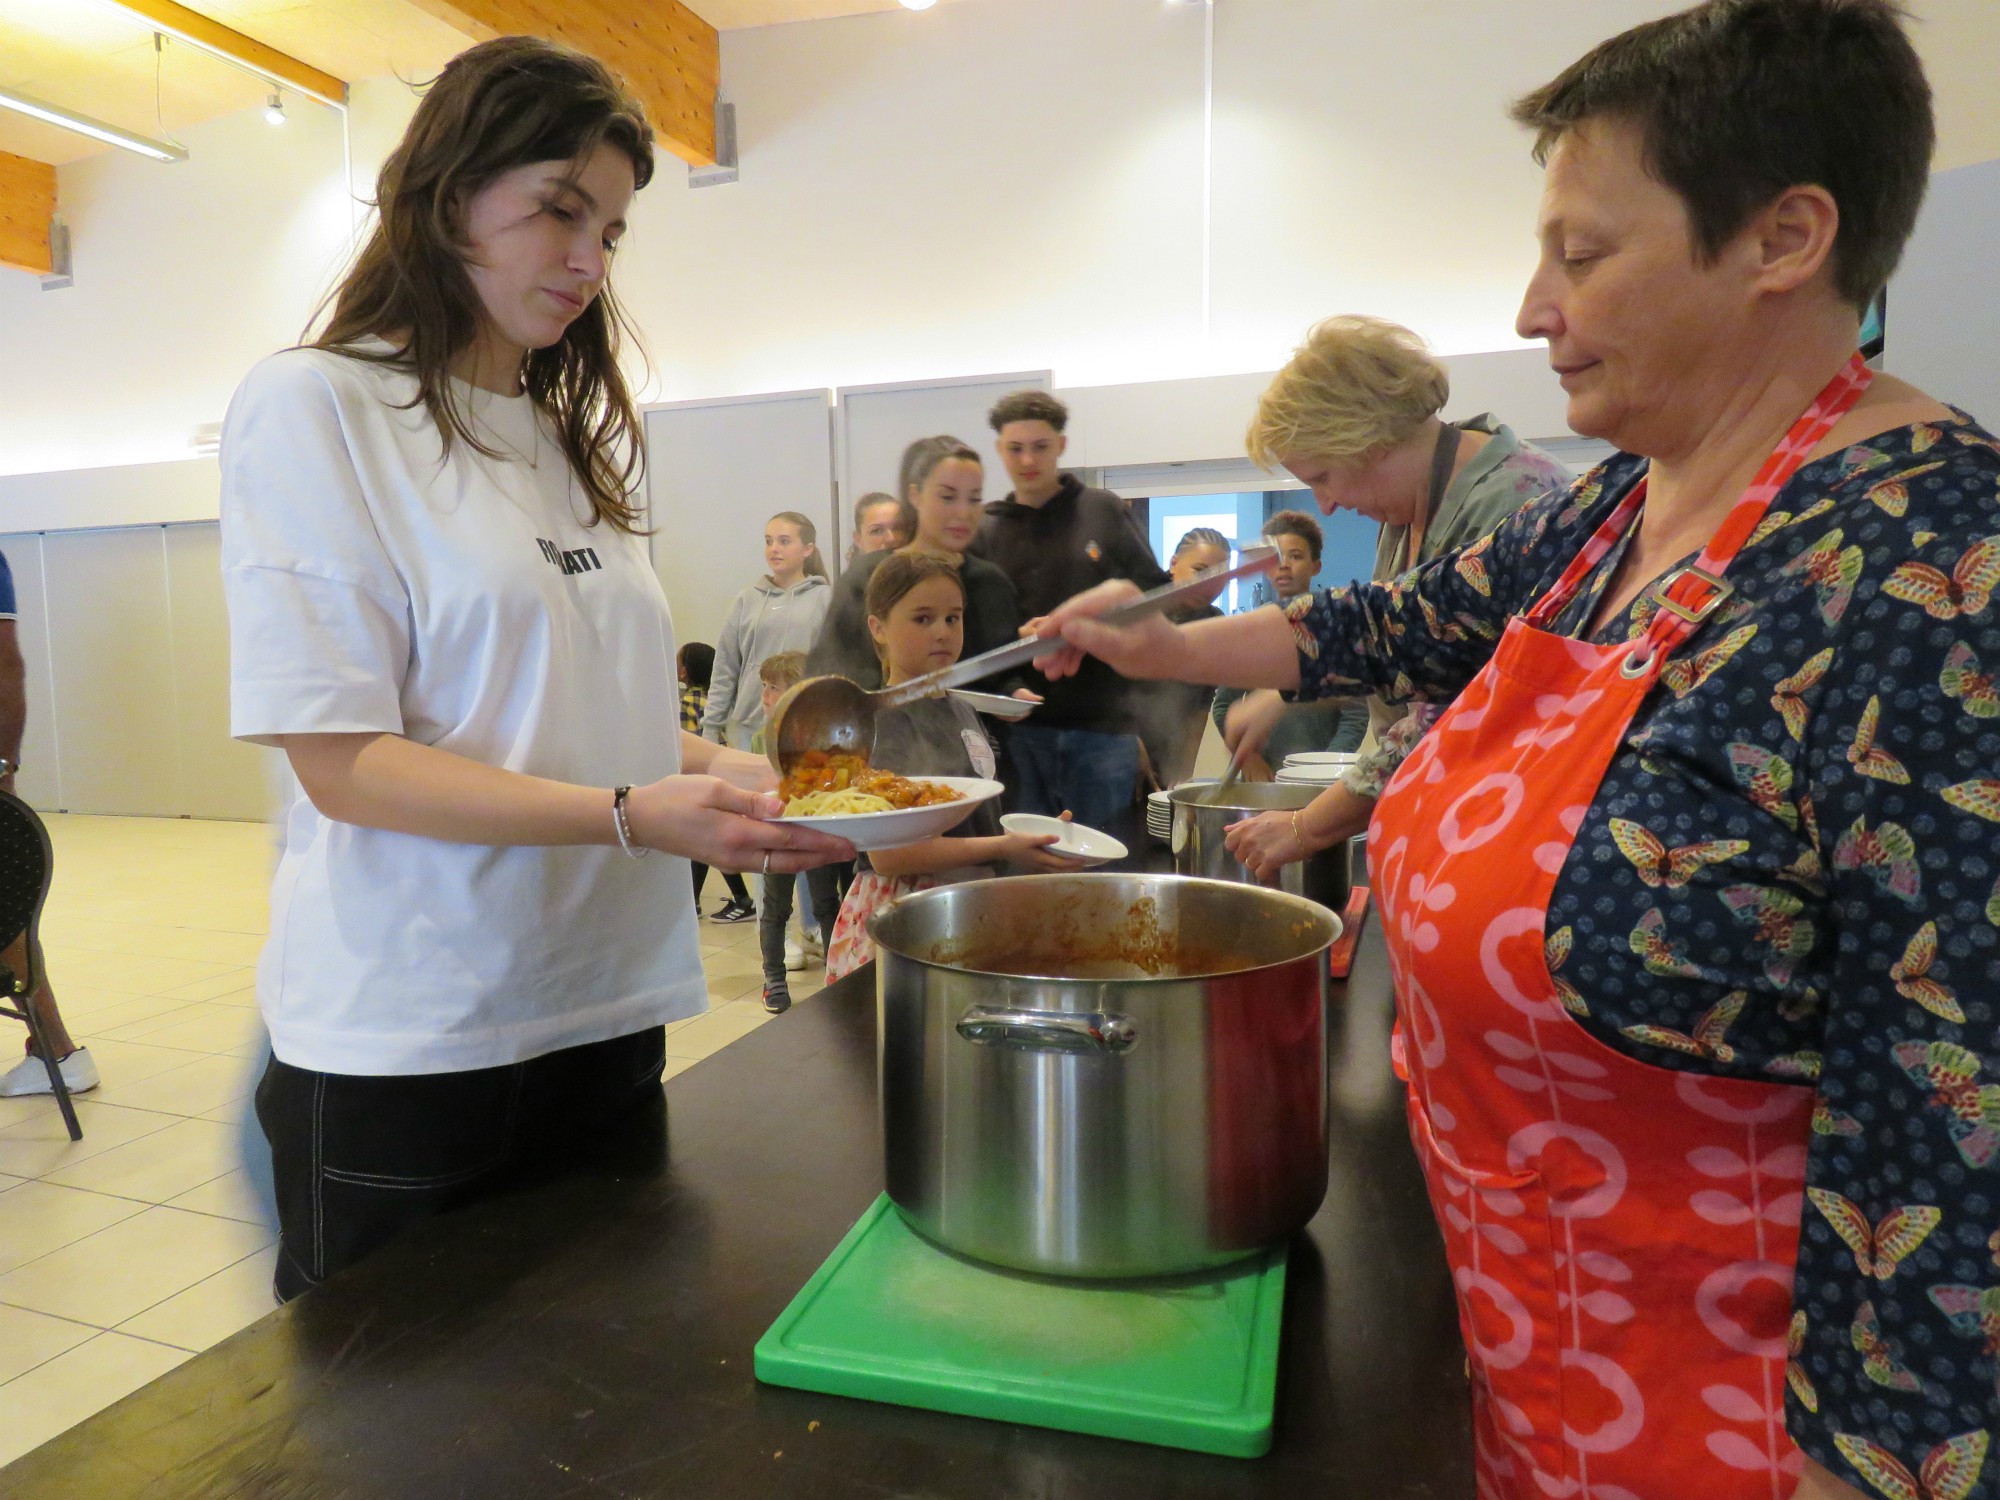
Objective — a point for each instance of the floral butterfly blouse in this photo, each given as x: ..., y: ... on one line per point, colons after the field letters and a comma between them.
x: 1792, y: 870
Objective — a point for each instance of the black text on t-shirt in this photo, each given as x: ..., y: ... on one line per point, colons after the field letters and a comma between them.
x: 577, y: 560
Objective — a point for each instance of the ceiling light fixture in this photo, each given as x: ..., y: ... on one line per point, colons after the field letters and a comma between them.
x: 111, y: 135
x: 918, y: 4
x: 274, y: 112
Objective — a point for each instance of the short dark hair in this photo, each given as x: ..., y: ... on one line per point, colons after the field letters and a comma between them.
x: 1028, y: 406
x: 1201, y: 536
x: 1738, y: 100
x: 1297, y: 523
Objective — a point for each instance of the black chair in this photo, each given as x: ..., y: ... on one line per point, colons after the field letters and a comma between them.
x: 26, y: 862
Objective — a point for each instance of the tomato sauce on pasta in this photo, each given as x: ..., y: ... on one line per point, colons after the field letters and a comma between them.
x: 827, y: 782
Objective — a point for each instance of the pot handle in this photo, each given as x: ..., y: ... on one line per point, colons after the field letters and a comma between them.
x: 1049, y: 1030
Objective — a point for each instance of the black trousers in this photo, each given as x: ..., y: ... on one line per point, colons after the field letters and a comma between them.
x: 356, y: 1160
x: 738, y: 891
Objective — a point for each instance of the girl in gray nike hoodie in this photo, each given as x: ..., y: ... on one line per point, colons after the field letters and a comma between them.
x: 779, y: 612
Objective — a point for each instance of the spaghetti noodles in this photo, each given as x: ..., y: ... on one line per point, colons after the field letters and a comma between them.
x: 825, y: 782
x: 835, y: 804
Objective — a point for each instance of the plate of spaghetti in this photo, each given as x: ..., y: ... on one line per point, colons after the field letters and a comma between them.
x: 843, y: 795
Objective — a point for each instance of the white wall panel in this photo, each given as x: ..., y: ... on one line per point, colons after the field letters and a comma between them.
x: 715, y: 472
x: 39, y: 782
x: 219, y: 777
x: 876, y: 423
x: 111, y: 654
x: 185, y: 489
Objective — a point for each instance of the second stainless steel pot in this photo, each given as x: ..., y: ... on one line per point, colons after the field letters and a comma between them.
x: 1104, y: 1075
x: 1200, y: 826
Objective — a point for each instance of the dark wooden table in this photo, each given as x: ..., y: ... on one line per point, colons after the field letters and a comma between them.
x: 592, y: 1337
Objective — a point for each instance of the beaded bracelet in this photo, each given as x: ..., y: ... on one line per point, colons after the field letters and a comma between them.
x: 623, y: 828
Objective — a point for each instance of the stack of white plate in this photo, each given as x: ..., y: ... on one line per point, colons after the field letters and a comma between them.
x: 1315, y: 767
x: 1160, y: 811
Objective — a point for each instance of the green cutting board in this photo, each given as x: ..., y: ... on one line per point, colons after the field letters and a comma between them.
x: 1186, y: 1362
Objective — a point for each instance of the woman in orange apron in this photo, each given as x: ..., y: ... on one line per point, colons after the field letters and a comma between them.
x: 1692, y: 897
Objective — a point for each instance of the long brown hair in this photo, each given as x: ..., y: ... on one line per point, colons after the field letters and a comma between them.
x: 507, y: 103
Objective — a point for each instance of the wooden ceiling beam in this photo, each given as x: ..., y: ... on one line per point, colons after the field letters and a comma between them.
x: 27, y: 203
x: 197, y: 30
x: 669, y: 56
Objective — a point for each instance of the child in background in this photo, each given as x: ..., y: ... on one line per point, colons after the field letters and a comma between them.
x: 775, y: 674
x: 916, y: 617
x: 696, y: 663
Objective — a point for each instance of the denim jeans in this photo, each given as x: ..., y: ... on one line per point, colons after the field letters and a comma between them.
x: 1094, y: 776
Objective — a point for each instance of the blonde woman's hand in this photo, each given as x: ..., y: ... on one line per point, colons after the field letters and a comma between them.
x: 714, y: 823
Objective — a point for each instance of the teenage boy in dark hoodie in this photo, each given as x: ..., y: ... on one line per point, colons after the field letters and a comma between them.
x: 1055, y: 537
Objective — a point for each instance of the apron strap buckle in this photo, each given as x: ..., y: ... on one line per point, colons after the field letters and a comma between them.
x: 1694, y: 613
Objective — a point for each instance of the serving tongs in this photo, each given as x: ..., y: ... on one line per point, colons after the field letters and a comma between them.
x: 838, y: 715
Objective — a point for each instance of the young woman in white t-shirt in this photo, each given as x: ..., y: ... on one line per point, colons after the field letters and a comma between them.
x: 442, y: 611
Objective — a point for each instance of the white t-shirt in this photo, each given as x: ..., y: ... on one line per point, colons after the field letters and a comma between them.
x: 466, y: 606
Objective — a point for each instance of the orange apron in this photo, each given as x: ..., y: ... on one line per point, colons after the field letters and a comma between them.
x: 1621, y: 1236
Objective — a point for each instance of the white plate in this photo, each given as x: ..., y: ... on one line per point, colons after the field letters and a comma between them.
x: 995, y: 705
x: 910, y: 825
x: 1320, y: 758
x: 1081, y: 846
x: 1313, y: 775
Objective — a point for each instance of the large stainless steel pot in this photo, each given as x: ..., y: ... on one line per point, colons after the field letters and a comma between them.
x: 1199, y: 826
x: 1104, y: 1075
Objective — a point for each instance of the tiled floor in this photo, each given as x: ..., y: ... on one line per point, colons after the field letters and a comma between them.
x: 125, y: 1252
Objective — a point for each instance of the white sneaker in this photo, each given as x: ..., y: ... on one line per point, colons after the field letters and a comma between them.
x: 795, y: 957
x: 29, y: 1076
x: 815, y: 949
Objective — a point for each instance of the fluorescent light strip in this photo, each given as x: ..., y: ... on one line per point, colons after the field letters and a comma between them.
x: 66, y: 119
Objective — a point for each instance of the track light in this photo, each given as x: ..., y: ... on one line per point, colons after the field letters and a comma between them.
x: 274, y: 112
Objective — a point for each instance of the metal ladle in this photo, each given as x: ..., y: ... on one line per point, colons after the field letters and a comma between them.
x: 838, y: 715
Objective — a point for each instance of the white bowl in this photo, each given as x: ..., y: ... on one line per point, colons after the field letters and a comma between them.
x: 1082, y: 847
x: 996, y: 705
x: 909, y: 825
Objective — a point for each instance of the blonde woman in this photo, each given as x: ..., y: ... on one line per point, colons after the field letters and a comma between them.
x: 1354, y: 417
